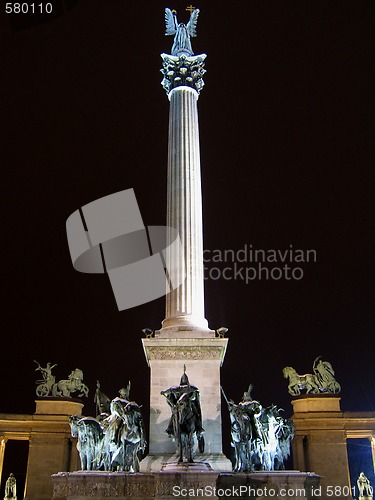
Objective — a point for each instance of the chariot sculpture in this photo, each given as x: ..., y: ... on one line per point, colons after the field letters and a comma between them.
x: 321, y: 381
x: 44, y: 386
x: 64, y: 388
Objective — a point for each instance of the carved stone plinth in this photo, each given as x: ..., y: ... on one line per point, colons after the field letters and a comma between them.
x: 58, y: 406
x: 317, y: 403
x: 50, y: 443
x: 183, y: 482
x: 319, y: 442
x: 203, y: 358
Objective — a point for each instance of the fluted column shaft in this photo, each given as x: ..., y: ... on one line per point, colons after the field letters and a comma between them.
x: 185, y: 304
x: 3, y: 441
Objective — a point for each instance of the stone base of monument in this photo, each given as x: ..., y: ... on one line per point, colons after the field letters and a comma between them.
x: 202, y: 358
x: 215, y: 462
x: 58, y: 406
x: 184, y: 481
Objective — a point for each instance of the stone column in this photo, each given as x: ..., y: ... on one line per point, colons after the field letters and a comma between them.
x: 185, y: 304
x: 299, y: 453
x: 3, y: 441
x: 372, y: 442
x: 184, y: 338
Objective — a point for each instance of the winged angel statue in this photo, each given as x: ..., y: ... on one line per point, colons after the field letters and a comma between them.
x: 181, y: 32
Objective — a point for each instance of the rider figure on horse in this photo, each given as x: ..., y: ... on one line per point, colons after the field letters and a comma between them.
x: 123, y: 400
x: 251, y: 410
x: 173, y: 395
x: 124, y: 433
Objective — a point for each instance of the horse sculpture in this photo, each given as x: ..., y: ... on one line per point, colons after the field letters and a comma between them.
x: 278, y: 432
x: 246, y: 432
x: 90, y: 436
x: 186, y: 428
x: 72, y: 384
x: 124, y: 437
x: 110, y: 453
x: 133, y: 437
x: 112, y: 443
x: 297, y: 382
x: 285, y: 435
x: 186, y: 418
x: 241, y: 442
x: 260, y: 437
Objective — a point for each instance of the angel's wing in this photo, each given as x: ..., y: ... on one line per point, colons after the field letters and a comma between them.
x: 192, y: 24
x: 170, y: 22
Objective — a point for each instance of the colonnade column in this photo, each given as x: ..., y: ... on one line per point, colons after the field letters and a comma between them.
x: 372, y: 442
x: 3, y: 441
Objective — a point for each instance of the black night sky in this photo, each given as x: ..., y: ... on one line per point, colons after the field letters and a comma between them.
x: 287, y: 133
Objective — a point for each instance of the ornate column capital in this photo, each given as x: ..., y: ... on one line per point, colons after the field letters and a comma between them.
x: 183, y: 70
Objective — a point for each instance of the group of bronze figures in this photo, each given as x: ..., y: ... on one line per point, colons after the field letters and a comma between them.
x: 260, y: 436
x: 115, y: 439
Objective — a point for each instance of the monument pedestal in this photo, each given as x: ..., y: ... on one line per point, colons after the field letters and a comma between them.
x: 59, y: 407
x: 50, y: 444
x: 319, y: 442
x: 203, y: 358
x: 184, y: 482
x: 213, y: 461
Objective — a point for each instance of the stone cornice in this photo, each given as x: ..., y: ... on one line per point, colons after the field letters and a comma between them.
x: 184, y: 349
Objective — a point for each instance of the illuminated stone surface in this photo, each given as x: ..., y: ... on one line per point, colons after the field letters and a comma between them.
x: 203, y: 359
x: 185, y: 304
x: 321, y: 431
x: 181, y: 480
